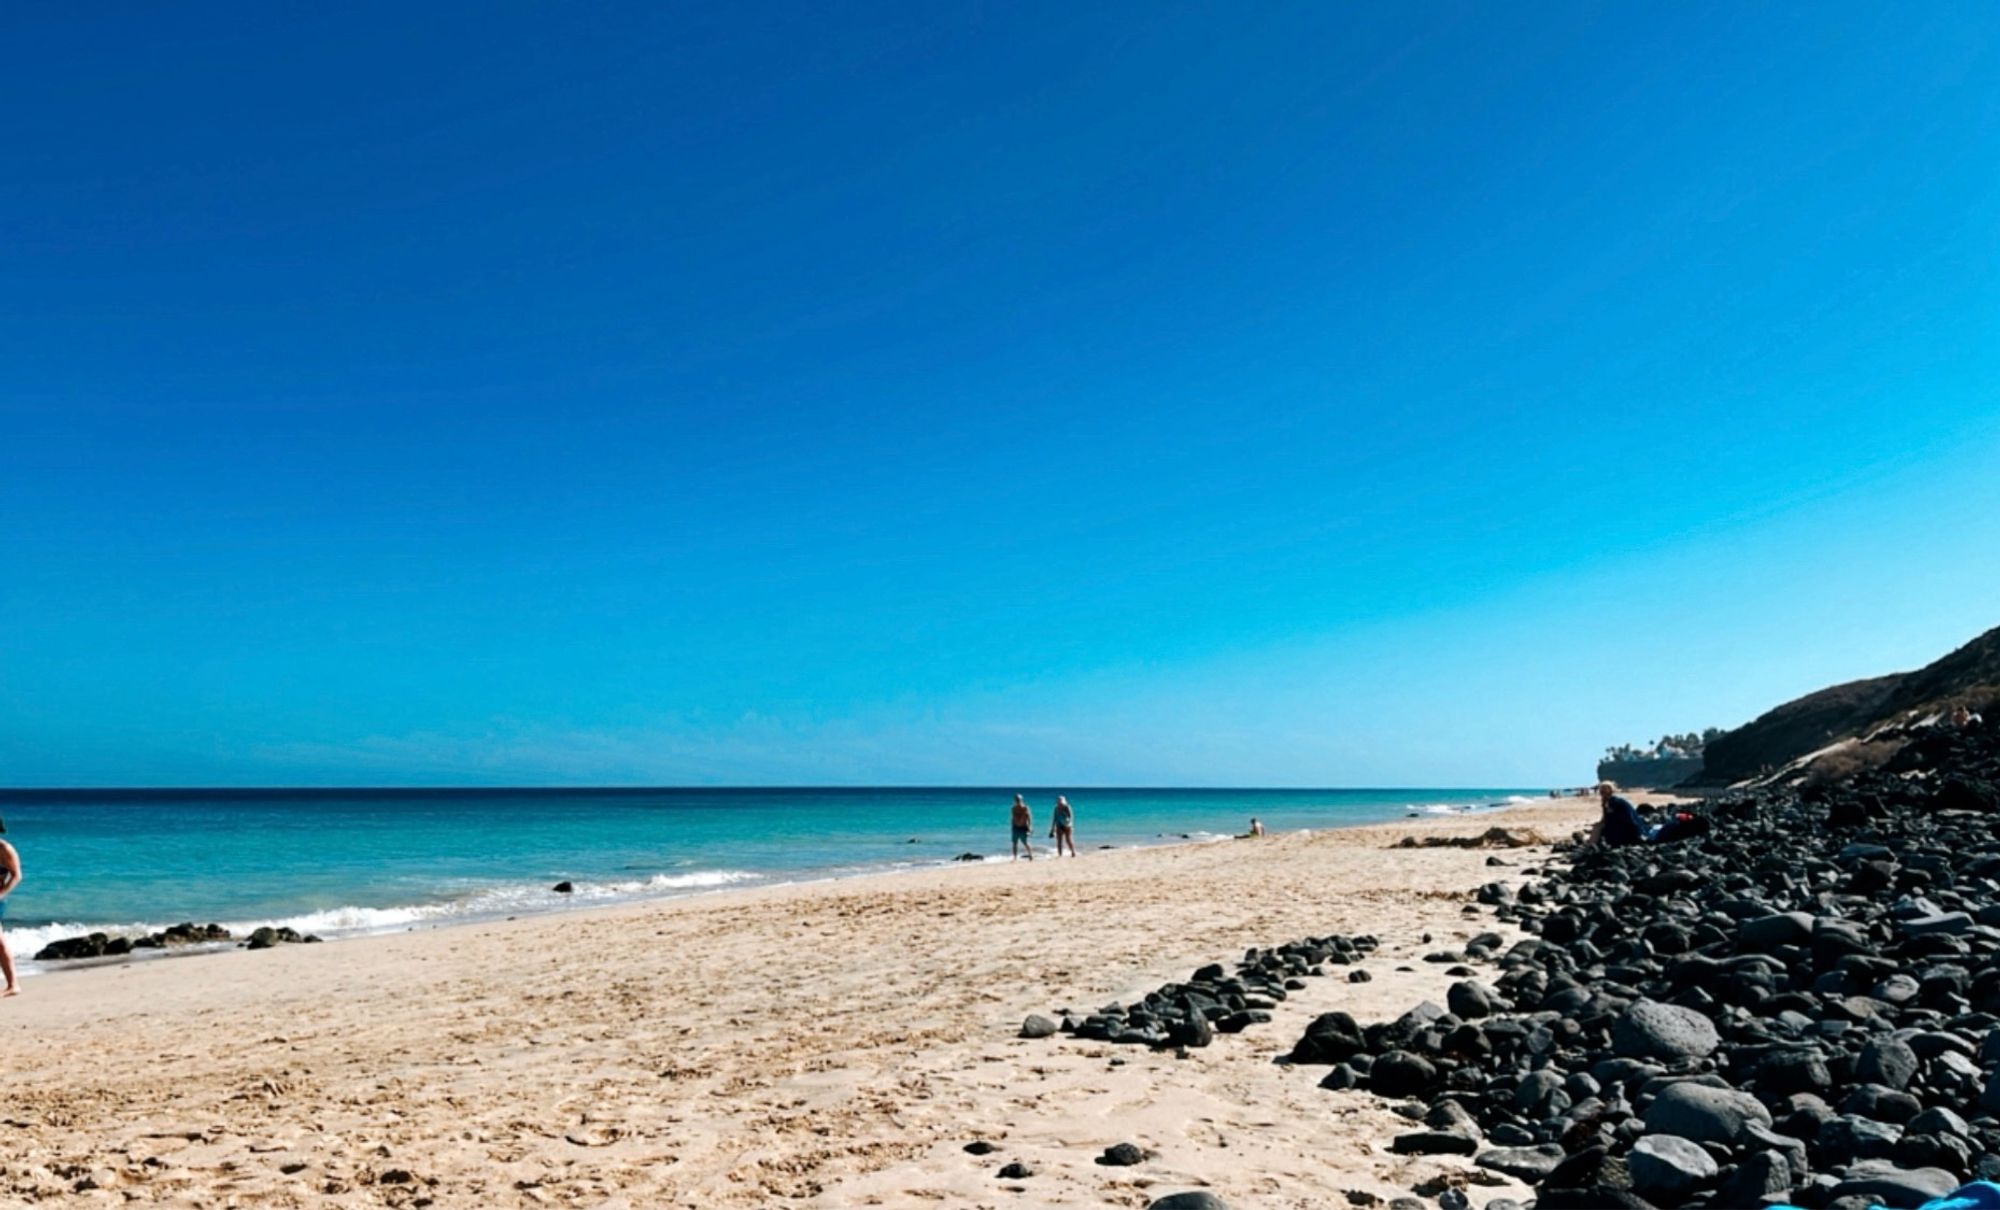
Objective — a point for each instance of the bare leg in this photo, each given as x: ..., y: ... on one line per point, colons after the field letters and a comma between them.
x: 7, y: 968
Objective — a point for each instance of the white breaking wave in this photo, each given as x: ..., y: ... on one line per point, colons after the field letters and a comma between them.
x: 353, y: 921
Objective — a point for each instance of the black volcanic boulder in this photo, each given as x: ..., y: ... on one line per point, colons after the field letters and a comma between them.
x: 1434, y: 1142
x: 1526, y: 1164
x: 1790, y: 1071
x: 1763, y: 1176
x: 1121, y: 1155
x: 1899, y: 1188
x: 1667, y: 1167
x: 1402, y: 1074
x: 1779, y: 928
x: 1705, y: 1115
x: 1886, y: 1061
x: 1652, y: 1030
x: 1331, y: 1038
x: 1469, y: 1001
x: 91, y: 946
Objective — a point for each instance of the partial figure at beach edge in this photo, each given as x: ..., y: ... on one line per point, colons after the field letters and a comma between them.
x: 1023, y: 827
x: 10, y: 877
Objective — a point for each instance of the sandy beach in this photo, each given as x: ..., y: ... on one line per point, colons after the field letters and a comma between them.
x: 832, y: 1044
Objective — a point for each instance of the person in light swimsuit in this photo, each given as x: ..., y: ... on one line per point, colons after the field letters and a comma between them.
x: 1062, y: 826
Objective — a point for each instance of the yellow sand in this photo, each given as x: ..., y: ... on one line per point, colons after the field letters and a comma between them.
x: 823, y: 1045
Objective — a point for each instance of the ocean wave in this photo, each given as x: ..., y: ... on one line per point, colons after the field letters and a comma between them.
x: 354, y: 921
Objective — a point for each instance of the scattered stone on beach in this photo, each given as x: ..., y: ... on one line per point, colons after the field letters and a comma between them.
x: 1196, y: 1200
x: 1215, y: 1000
x: 980, y: 1147
x: 1038, y: 1026
x: 1122, y: 1155
x: 1015, y: 1171
x: 564, y: 888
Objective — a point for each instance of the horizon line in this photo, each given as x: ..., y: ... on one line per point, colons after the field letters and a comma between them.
x: 643, y: 789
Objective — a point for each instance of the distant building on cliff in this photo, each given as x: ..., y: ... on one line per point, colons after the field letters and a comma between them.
x: 1668, y: 761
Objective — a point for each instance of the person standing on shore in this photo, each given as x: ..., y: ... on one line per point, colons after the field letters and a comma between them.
x: 1062, y: 826
x: 1024, y: 826
x: 10, y: 877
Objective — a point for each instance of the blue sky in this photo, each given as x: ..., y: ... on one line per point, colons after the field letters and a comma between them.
x: 1143, y: 394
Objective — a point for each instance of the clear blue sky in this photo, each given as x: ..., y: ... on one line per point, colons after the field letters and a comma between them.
x: 1292, y: 394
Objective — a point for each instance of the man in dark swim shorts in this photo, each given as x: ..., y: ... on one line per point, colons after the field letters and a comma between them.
x: 1024, y: 823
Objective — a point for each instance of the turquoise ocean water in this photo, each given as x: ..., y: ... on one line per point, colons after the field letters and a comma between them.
x: 342, y: 862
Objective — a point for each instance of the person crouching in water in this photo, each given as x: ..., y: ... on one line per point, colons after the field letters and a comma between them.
x: 1024, y: 824
x: 1062, y: 826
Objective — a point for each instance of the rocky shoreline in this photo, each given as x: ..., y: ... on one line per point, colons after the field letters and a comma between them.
x: 187, y: 933
x: 1802, y: 1007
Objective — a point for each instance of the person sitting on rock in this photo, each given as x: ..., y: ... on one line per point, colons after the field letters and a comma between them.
x: 1618, y: 822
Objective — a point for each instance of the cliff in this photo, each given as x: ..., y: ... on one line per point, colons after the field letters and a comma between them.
x: 1876, y: 709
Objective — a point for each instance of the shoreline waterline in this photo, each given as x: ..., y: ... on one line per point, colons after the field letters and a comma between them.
x: 522, y: 899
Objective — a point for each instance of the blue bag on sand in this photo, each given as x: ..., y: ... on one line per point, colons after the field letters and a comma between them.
x: 1979, y: 1195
